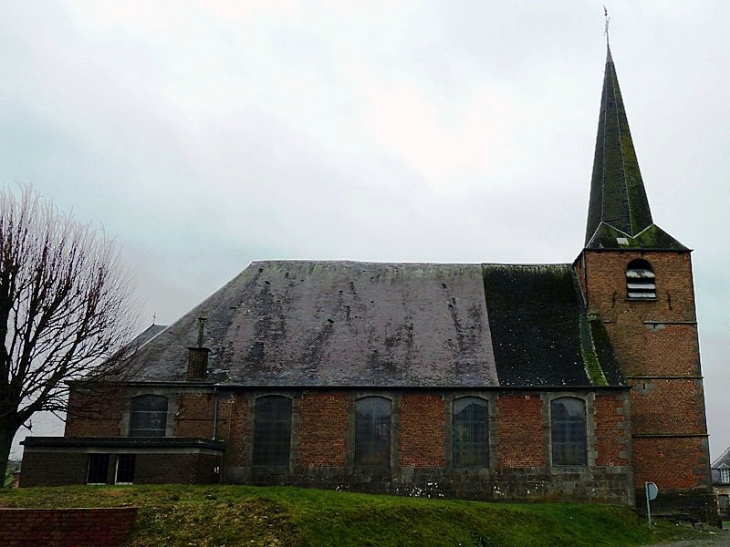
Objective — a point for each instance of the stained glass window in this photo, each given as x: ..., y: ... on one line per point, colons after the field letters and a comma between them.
x: 470, y: 433
x: 372, y: 432
x: 272, y: 431
x: 568, y: 430
x: 148, y: 416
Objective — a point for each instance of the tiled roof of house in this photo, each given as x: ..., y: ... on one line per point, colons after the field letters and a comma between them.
x: 619, y: 215
x: 299, y: 323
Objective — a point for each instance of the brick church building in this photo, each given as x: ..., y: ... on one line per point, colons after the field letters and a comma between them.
x: 484, y: 381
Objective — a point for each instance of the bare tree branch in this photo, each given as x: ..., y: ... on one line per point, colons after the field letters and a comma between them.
x: 66, y: 310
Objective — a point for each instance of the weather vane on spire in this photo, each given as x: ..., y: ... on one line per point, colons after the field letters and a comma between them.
x: 608, y: 20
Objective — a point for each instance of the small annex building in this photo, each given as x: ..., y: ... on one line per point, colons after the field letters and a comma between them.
x: 721, y: 484
x: 484, y: 381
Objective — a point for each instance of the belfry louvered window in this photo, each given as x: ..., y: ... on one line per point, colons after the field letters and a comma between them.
x: 640, y: 280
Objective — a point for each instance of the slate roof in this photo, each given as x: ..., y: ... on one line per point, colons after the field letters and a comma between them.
x: 310, y: 323
x: 541, y: 333
x: 148, y: 334
x: 619, y: 216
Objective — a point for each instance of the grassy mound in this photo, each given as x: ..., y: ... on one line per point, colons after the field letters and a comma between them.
x: 241, y: 515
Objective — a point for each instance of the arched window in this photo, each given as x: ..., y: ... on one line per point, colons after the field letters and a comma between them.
x: 272, y: 431
x: 640, y: 281
x: 568, y: 431
x: 470, y: 432
x: 372, y: 432
x: 148, y: 416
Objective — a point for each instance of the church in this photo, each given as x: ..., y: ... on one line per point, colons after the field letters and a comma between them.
x: 558, y: 382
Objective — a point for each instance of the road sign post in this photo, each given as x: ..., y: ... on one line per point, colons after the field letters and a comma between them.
x: 651, y: 491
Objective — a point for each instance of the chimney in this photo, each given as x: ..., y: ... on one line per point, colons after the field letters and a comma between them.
x: 197, y: 363
x: 198, y: 356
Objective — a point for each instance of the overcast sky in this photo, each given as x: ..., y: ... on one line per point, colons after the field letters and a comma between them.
x: 207, y: 134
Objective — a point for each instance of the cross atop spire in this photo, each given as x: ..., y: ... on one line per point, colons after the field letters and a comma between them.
x: 618, y: 211
x: 609, y: 59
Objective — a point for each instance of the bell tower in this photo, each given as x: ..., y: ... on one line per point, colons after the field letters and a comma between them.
x: 637, y: 279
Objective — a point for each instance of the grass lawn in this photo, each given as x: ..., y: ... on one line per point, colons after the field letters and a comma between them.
x: 226, y: 515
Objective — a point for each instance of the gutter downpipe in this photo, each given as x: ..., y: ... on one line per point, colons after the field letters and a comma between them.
x: 215, y: 412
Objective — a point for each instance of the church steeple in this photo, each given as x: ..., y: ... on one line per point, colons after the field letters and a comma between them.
x: 618, y: 213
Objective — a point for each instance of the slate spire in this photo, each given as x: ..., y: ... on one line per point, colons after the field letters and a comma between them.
x: 618, y: 211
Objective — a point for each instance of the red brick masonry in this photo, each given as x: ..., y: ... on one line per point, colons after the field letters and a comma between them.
x: 66, y: 527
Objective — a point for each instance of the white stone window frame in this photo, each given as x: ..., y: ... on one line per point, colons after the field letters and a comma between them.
x: 117, y: 458
x: 724, y: 475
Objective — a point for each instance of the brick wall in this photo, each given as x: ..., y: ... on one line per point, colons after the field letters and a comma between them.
x: 672, y: 463
x: 53, y: 469
x: 66, y: 527
x: 64, y: 468
x: 236, y: 434
x: 422, y: 430
x: 605, y: 278
x: 323, y: 430
x: 191, y: 468
x: 612, y: 430
x: 323, y: 439
x: 520, y: 431
x: 651, y: 356
x: 92, y: 415
x: 195, y: 415
x: 677, y: 466
x: 666, y: 406
x: 657, y: 347
x: 654, y: 350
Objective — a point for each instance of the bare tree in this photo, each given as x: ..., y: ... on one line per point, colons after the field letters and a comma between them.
x: 65, y: 309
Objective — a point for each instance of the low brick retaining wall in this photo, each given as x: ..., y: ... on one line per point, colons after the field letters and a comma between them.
x: 66, y: 527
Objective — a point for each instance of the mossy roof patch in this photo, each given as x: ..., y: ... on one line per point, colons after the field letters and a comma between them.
x: 604, y: 351
x: 535, y: 315
x: 653, y: 237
